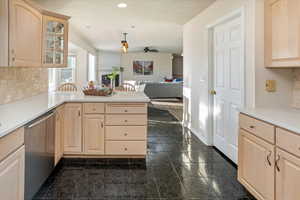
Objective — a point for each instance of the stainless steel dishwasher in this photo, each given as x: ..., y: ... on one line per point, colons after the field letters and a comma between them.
x: 39, y: 153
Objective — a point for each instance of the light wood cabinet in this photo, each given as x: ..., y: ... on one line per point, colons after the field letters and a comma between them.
x: 12, y: 176
x: 25, y: 35
x: 256, y: 166
x: 31, y: 36
x: 267, y: 175
x: 125, y: 147
x: 72, y: 128
x: 107, y: 129
x: 287, y: 176
x: 282, y: 33
x: 4, y: 32
x: 55, y: 42
x: 93, y: 133
x: 93, y: 108
x: 259, y: 128
x: 59, y: 123
x: 125, y: 119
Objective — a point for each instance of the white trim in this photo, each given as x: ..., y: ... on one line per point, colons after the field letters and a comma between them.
x: 234, y: 14
x: 210, y: 29
x: 198, y: 135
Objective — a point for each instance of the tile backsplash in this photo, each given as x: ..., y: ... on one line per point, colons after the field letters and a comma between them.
x: 20, y: 83
x: 296, y: 89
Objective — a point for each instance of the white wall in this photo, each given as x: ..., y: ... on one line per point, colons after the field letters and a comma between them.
x: 81, y: 68
x: 162, y: 66
x: 196, y: 65
x: 107, y: 60
x: 284, y: 77
x: 83, y: 47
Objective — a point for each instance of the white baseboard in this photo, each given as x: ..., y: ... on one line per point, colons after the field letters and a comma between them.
x: 197, y: 133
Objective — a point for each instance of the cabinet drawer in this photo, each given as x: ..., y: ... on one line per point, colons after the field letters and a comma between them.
x: 125, y: 147
x: 288, y: 141
x: 11, y: 142
x: 93, y: 108
x: 258, y: 128
x: 123, y: 108
x: 111, y: 119
x: 126, y: 133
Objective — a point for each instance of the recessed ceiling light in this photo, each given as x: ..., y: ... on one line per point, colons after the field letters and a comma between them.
x: 122, y: 5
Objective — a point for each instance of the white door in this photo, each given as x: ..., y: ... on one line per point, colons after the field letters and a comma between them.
x: 228, y: 85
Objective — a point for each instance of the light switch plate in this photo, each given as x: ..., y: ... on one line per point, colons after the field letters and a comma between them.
x: 271, y: 86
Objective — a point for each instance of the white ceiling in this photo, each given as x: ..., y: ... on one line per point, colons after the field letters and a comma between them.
x: 158, y: 23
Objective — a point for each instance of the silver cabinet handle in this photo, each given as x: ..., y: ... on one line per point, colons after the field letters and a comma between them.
x: 268, y: 158
x: 40, y: 121
x: 276, y: 163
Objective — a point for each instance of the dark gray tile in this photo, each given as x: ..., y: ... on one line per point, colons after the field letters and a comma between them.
x: 178, y: 166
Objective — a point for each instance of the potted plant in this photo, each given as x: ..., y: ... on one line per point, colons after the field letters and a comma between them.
x: 112, y: 77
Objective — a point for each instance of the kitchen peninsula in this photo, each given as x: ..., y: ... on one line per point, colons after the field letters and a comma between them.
x: 57, y: 125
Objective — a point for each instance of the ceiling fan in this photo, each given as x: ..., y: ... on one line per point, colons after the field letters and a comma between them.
x: 125, y: 43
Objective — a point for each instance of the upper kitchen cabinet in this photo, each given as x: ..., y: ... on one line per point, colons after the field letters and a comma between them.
x: 32, y: 36
x: 282, y: 33
x: 55, y: 38
x: 25, y: 35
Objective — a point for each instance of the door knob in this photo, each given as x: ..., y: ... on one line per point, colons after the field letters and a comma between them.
x: 213, y: 92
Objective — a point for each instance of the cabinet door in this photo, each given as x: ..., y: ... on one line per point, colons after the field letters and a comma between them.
x: 256, y: 166
x: 12, y: 176
x: 72, y: 128
x: 55, y: 42
x: 287, y: 176
x: 58, y: 135
x: 4, y: 33
x: 25, y: 41
x: 282, y: 33
x: 93, y: 132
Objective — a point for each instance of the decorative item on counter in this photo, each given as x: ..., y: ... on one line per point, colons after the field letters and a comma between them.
x: 113, y: 76
x: 91, y: 85
x: 94, y: 90
x: 97, y: 91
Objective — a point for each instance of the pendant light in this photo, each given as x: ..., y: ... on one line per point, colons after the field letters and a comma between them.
x: 124, y: 43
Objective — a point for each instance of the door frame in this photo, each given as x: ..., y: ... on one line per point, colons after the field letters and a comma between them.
x: 210, y: 30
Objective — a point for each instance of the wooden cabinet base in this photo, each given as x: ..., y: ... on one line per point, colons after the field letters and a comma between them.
x: 103, y: 156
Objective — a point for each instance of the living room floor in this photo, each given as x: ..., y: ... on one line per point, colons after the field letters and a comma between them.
x: 178, y: 167
x: 173, y: 105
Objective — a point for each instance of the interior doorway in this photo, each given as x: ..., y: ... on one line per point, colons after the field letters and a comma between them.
x: 227, y: 85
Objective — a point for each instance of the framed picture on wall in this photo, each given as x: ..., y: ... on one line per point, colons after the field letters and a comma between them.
x: 143, y: 67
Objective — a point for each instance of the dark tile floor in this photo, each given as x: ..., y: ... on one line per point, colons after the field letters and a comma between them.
x: 178, y: 167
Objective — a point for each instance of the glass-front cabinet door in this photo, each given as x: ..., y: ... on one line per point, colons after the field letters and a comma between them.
x: 55, y: 42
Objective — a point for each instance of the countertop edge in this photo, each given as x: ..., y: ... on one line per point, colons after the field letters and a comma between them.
x: 277, y: 123
x: 7, y: 131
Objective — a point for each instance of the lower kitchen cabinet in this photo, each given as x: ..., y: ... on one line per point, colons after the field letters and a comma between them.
x: 256, y: 165
x: 287, y: 176
x: 12, y: 171
x: 266, y: 174
x: 59, y: 124
x: 93, y: 134
x: 72, y: 128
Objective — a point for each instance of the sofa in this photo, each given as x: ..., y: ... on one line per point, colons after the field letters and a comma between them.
x: 156, y: 90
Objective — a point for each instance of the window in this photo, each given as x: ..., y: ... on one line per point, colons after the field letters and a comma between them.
x: 64, y: 75
x: 92, y: 68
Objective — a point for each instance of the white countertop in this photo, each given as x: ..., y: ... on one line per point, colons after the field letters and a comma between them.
x: 19, y: 113
x: 287, y: 118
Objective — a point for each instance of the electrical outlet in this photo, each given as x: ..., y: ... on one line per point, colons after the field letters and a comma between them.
x: 271, y: 86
